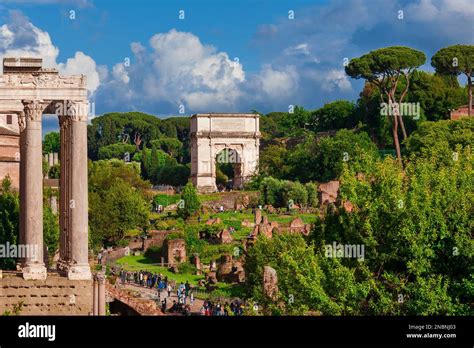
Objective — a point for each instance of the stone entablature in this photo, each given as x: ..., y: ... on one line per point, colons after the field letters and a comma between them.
x: 213, y: 133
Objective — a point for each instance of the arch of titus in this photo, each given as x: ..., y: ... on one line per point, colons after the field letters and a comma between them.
x: 29, y: 90
x: 213, y: 133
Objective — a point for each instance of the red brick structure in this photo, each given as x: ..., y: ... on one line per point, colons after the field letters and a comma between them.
x: 174, y: 251
x: 461, y: 112
x: 10, y: 149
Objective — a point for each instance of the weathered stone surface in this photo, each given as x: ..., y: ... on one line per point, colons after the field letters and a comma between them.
x: 258, y: 217
x: 270, y: 282
x: 270, y: 209
x: 174, y: 251
x: 197, y: 263
x: 225, y: 267
x: 28, y: 90
x: 348, y: 206
x: 213, y: 221
x: 55, y: 295
x: 225, y: 237
x: 328, y: 192
x: 140, y: 305
x: 212, y: 133
x: 211, y: 278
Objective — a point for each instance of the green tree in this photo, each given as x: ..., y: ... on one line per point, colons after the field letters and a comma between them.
x: 51, y: 142
x: 415, y: 226
x: 307, y: 281
x: 272, y: 161
x: 9, y: 220
x: 117, y: 201
x: 50, y: 230
x: 384, y: 68
x: 323, y: 160
x: 312, y: 192
x: 439, y: 140
x: 335, y: 115
x: 456, y: 60
x: 119, y: 150
x: 171, y: 146
x: 174, y: 175
x: 189, y: 203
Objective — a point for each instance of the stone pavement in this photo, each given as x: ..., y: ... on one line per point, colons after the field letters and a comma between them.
x: 153, y: 294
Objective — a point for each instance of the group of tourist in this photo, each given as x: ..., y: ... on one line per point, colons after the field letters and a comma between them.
x: 184, y: 294
x: 210, y: 308
x: 145, y: 279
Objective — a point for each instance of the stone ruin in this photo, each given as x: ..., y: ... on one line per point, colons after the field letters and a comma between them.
x: 270, y: 282
x: 229, y: 270
x: 328, y: 192
x: 298, y: 226
x: 174, y: 251
x: 196, y: 261
x: 224, y: 237
x: 213, y: 221
x: 264, y: 227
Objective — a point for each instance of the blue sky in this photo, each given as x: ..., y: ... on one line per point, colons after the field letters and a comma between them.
x: 225, y: 56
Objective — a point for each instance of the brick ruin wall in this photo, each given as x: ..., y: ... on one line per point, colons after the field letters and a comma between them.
x: 54, y: 296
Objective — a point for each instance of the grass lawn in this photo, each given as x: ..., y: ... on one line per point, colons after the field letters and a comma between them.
x: 137, y: 263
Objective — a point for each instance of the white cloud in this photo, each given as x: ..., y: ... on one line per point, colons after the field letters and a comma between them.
x: 300, y: 49
x: 336, y: 79
x: 178, y: 69
x: 82, y: 64
x: 279, y: 83
x: 120, y: 73
x: 20, y: 38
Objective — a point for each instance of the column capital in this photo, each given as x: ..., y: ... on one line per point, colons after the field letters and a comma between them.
x: 21, y: 120
x: 33, y: 109
x: 73, y: 109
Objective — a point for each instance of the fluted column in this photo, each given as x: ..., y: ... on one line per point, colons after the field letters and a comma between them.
x: 31, y: 195
x: 78, y: 194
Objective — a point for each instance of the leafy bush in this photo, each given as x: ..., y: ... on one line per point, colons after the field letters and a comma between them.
x: 236, y: 224
x: 175, y: 235
x: 186, y: 268
x: 312, y: 191
x: 294, y: 192
x: 190, y: 201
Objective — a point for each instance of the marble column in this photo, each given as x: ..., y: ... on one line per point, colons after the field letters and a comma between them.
x: 31, y: 195
x: 22, y: 127
x: 64, y: 223
x: 78, y: 194
x: 96, y: 297
x: 101, y: 293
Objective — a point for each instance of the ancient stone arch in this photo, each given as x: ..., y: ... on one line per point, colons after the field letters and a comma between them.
x: 29, y: 90
x: 211, y: 134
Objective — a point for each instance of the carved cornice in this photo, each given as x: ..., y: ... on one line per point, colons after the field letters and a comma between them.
x: 42, y: 80
x: 227, y: 134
